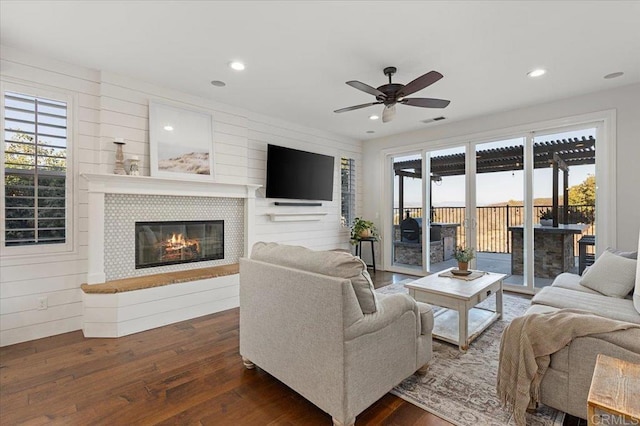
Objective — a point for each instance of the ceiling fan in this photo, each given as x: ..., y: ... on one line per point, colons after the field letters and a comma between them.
x: 393, y: 93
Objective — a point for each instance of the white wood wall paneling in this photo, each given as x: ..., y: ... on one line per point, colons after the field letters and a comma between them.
x: 54, y: 298
x: 123, y: 106
x: 141, y: 92
x: 19, y: 319
x: 111, y: 106
x: 44, y: 269
x: 50, y: 327
x: 18, y: 56
x: 48, y: 77
x: 37, y: 286
x: 24, y: 280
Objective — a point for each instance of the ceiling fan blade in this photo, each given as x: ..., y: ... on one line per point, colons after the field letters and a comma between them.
x: 420, y: 83
x: 366, y: 88
x: 426, y: 102
x: 388, y: 113
x: 351, y: 108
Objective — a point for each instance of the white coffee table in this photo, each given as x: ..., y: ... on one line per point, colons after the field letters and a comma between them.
x: 461, y: 322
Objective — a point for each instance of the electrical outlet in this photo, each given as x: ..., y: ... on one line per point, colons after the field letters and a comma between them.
x: 43, y: 303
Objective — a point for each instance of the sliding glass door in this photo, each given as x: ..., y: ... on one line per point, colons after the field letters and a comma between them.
x: 499, y: 212
x: 408, y: 249
x: 564, y: 201
x: 448, y: 209
x: 526, y: 204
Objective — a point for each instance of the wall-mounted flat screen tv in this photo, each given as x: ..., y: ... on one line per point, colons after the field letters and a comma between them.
x: 299, y: 175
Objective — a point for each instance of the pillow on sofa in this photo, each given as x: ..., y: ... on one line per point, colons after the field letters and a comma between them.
x: 611, y: 275
x: 333, y: 263
x: 627, y: 254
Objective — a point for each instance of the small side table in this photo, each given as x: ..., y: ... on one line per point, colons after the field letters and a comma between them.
x: 614, y: 391
x: 373, y: 252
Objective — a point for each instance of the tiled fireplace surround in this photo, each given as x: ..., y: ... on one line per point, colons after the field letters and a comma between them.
x: 115, y: 203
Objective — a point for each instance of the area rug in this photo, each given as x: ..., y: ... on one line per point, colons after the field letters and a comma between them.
x: 461, y: 387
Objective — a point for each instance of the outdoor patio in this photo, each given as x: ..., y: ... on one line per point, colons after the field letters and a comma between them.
x: 494, y: 262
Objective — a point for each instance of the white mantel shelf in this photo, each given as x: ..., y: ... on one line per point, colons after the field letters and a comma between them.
x: 102, y: 184
x: 124, y: 184
x: 296, y: 217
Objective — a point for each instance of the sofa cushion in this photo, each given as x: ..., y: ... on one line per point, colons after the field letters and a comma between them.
x: 571, y: 282
x: 332, y: 263
x: 610, y: 307
x: 611, y: 275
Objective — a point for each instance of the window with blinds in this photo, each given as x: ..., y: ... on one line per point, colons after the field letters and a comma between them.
x: 348, y: 188
x: 35, y: 170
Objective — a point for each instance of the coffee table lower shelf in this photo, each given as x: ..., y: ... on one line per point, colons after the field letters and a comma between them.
x: 446, y: 324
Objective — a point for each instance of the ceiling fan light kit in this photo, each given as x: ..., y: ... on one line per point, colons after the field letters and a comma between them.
x: 391, y: 94
x: 388, y: 113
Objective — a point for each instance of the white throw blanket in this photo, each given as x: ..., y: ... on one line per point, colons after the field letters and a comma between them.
x: 527, y: 344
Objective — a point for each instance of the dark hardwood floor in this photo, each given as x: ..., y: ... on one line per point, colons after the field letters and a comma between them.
x: 184, y: 373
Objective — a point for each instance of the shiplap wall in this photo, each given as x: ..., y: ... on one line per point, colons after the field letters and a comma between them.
x: 109, y: 106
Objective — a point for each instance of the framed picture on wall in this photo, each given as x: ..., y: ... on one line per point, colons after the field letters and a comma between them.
x: 180, y: 142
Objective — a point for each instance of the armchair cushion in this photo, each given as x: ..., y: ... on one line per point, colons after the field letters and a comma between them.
x: 390, y: 308
x: 426, y: 318
x: 332, y: 263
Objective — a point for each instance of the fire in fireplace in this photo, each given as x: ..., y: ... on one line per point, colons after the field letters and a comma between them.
x: 166, y: 243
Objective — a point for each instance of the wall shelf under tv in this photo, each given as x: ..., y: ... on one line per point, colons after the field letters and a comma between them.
x: 296, y: 217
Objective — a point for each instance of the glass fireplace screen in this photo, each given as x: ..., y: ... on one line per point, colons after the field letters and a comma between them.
x: 167, y: 243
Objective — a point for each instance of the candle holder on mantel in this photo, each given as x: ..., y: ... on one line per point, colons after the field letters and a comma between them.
x: 119, y: 169
x: 134, y: 166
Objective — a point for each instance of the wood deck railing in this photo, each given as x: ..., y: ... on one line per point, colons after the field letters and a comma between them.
x: 493, y: 221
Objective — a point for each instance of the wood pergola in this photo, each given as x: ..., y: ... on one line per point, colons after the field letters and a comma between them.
x: 559, y: 154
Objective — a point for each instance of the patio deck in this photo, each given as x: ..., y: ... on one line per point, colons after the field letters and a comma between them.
x: 494, y: 262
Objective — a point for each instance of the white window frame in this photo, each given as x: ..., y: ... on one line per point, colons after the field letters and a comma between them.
x: 71, y: 172
x: 606, y: 147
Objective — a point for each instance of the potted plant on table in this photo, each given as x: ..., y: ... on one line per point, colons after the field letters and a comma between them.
x: 463, y: 255
x: 546, y: 218
x: 361, y: 229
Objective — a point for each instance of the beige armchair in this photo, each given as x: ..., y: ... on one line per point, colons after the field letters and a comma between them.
x: 302, y: 321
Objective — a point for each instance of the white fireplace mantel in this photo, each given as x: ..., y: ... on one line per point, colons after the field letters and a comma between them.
x: 101, y: 184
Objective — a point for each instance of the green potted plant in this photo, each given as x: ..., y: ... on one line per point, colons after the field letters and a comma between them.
x: 463, y: 255
x: 546, y: 218
x: 362, y: 229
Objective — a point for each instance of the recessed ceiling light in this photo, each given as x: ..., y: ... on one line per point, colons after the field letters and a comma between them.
x: 537, y: 73
x: 614, y: 75
x: 373, y: 117
x: 370, y: 131
x: 168, y: 128
x: 237, y: 65
x: 218, y: 83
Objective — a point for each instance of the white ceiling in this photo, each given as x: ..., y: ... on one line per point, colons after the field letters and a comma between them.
x: 300, y: 54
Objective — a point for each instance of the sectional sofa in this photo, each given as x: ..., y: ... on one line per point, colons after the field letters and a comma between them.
x: 566, y: 383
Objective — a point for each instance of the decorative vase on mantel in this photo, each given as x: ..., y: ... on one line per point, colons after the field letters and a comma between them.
x: 119, y: 167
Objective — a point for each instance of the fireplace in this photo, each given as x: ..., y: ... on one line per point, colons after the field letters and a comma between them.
x: 168, y: 243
